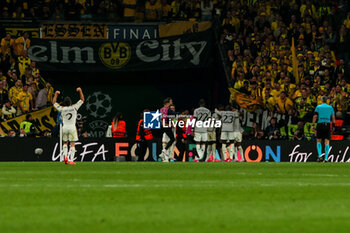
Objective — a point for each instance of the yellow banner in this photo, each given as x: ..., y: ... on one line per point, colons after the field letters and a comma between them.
x: 73, y: 31
x: 244, y: 101
x: 17, y: 32
x: 43, y: 120
x: 183, y: 27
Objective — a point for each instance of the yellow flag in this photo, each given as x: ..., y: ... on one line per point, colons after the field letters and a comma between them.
x: 244, y: 101
x: 233, y: 93
x: 295, y: 63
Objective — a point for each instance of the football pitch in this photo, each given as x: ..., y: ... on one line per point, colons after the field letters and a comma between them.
x: 103, y: 197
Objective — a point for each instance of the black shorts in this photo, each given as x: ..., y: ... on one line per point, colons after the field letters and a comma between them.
x: 323, y: 131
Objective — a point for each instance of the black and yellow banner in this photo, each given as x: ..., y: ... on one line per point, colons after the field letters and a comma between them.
x: 177, y: 52
x: 73, y: 31
x: 18, y: 31
x: 43, y: 120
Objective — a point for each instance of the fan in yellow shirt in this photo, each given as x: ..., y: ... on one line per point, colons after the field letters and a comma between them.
x: 255, y: 91
x: 287, y: 87
x: 14, y: 92
x: 153, y: 10
x: 319, y: 98
x: 22, y: 43
x: 283, y: 104
x: 240, y: 81
x: 235, y: 22
x: 276, y: 91
x: 23, y: 62
x: 129, y: 9
x: 268, y: 78
x: 7, y: 44
x: 50, y: 92
x: 175, y: 8
x: 25, y: 100
x: 347, y: 21
x: 166, y: 9
x: 268, y: 99
x: 298, y: 91
x: 304, y: 104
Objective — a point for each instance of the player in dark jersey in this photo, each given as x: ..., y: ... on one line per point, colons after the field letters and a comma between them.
x: 168, y: 131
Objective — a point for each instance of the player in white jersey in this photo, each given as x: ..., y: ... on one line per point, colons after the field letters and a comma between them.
x: 211, y: 150
x: 69, y: 117
x: 227, y: 132
x: 237, y: 136
x: 201, y: 133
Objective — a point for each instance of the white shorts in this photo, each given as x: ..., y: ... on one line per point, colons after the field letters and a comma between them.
x: 200, y: 137
x: 166, y: 139
x: 212, y: 136
x: 237, y: 136
x: 69, y: 134
x: 227, y: 136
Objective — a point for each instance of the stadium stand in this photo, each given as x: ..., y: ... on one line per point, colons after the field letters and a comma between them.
x: 281, y: 56
x: 284, y: 55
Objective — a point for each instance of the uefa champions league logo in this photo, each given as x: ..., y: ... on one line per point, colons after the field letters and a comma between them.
x: 151, y: 120
x: 99, y: 104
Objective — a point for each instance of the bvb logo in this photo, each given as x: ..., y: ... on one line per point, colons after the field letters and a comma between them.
x: 99, y: 104
x: 114, y: 54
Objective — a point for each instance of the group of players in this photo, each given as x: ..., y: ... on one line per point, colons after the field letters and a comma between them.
x: 206, y: 137
x: 229, y: 135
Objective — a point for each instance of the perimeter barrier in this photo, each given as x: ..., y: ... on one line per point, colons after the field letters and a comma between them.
x: 110, y: 149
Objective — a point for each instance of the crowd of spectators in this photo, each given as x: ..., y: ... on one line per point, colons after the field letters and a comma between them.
x: 22, y: 88
x: 258, y: 39
x: 257, y: 35
x: 106, y: 10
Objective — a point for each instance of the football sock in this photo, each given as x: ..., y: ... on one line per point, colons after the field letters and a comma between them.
x: 326, y: 151
x: 72, y: 153
x: 223, y: 151
x: 240, y: 149
x: 235, y: 156
x: 65, y: 150
x: 231, y: 151
x: 199, y: 151
x: 164, y: 151
x: 209, y: 152
x: 319, y: 149
x: 171, y: 150
x: 213, y: 150
x: 202, y: 150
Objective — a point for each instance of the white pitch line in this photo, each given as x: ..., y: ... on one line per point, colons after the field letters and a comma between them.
x: 170, y: 184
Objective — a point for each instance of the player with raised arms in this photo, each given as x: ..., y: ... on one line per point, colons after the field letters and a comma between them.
x: 69, y: 117
x: 201, y: 133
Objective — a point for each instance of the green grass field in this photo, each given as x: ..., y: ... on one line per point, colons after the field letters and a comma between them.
x: 127, y: 197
